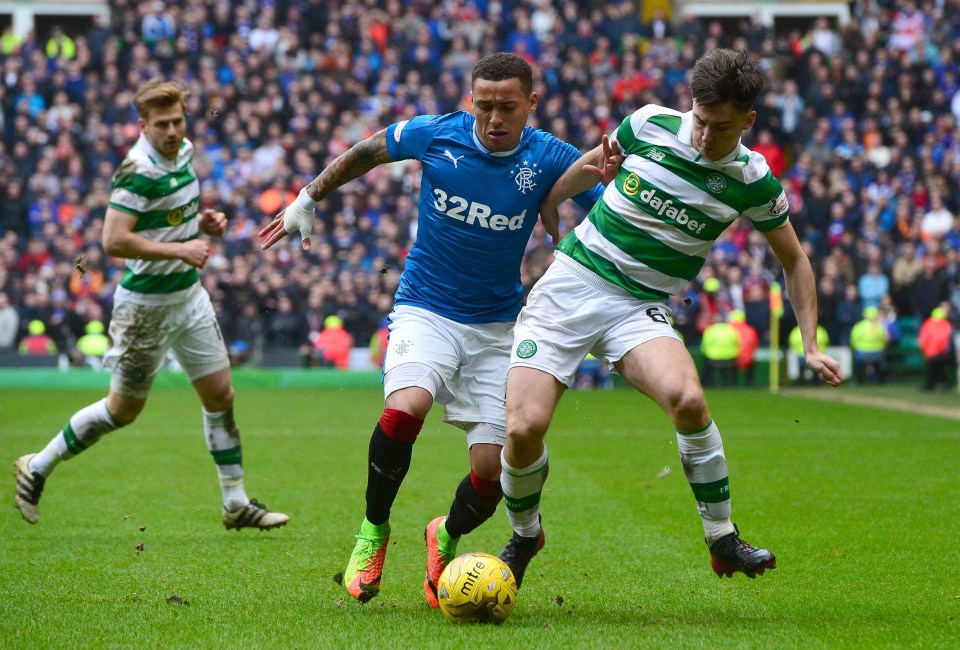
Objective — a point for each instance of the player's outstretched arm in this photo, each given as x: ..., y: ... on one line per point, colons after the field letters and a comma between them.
x: 575, y: 180
x: 803, y: 297
x: 351, y: 164
x: 611, y: 159
x: 599, y: 164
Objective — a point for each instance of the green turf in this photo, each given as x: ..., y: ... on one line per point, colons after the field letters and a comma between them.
x: 857, y: 503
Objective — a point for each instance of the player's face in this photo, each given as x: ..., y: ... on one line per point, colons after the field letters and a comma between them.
x: 165, y: 128
x: 501, y: 108
x: 717, y: 129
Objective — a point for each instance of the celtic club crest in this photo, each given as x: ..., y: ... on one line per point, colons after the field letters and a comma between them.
x: 716, y: 183
x: 526, y: 349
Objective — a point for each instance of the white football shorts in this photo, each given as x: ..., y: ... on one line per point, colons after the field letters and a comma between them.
x: 141, y: 335
x: 572, y: 312
x: 464, y: 367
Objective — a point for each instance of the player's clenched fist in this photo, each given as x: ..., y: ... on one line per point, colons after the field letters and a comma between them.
x: 296, y: 217
x: 195, y: 252
x: 212, y: 223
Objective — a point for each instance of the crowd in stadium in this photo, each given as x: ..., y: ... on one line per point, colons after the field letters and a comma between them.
x: 860, y: 122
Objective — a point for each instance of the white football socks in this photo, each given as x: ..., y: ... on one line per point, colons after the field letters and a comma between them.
x: 84, y: 428
x: 223, y: 441
x: 521, y: 492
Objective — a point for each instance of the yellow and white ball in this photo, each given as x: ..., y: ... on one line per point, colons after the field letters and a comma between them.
x: 477, y: 587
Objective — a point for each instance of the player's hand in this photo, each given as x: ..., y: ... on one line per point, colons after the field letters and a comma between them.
x: 213, y: 223
x: 296, y: 217
x: 610, y: 163
x: 195, y: 252
x: 550, y: 218
x: 825, y: 365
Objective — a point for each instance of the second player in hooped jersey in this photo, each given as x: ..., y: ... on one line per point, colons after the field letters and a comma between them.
x: 451, y: 329
x: 477, y: 209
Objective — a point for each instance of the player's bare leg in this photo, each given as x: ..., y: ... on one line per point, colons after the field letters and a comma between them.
x: 388, y: 460
x: 662, y: 369
x: 532, y: 397
x: 223, y: 440
x: 83, y: 429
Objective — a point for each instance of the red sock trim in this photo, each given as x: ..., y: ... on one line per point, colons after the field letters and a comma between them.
x: 485, y: 487
x: 400, y: 426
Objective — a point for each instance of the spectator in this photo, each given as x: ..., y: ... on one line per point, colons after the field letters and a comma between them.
x: 331, y: 347
x: 59, y: 45
x: 14, y: 209
x: 10, y: 41
x: 378, y: 343
x: 930, y: 288
x: 868, y: 340
x: 872, y: 286
x: 848, y: 312
x: 287, y: 325
x: 36, y: 343
x: 593, y: 373
x: 749, y: 344
x: 828, y: 301
x: 98, y: 35
x: 9, y: 323
x: 93, y: 344
x: 158, y: 25
x: 935, y: 340
x: 907, y: 267
x: 277, y: 111
x: 772, y: 151
x: 937, y: 221
x: 721, y: 347
x: 757, y: 310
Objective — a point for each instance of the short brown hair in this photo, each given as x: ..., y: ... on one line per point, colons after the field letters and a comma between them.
x: 504, y: 65
x: 158, y: 93
x: 722, y: 76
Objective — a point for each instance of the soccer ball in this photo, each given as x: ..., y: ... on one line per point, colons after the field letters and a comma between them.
x: 477, y: 587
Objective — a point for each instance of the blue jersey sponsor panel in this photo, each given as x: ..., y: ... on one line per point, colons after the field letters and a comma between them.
x: 476, y: 211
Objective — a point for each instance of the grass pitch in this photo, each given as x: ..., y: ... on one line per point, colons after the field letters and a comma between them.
x: 858, y: 503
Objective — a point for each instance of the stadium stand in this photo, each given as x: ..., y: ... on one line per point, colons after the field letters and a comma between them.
x: 860, y: 120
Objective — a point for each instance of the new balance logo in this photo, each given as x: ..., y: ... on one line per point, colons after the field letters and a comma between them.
x: 446, y: 152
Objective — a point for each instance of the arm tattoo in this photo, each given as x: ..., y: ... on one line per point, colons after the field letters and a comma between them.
x: 352, y: 163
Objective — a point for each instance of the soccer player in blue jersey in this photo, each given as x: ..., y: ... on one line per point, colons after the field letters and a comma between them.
x: 484, y: 175
x: 686, y: 177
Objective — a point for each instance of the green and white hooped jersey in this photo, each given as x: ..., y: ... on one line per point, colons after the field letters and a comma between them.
x: 164, y: 196
x: 654, y: 226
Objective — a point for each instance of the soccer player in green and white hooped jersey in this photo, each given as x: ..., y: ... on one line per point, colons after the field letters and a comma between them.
x: 154, y: 221
x: 685, y: 178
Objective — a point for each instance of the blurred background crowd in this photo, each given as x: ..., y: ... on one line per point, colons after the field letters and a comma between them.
x: 859, y: 121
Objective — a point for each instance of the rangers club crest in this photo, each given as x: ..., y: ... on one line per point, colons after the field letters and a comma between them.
x: 524, y: 175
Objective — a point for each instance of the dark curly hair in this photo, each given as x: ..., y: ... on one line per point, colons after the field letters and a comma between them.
x: 503, y: 65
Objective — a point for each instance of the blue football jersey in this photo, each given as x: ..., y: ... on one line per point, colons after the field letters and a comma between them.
x: 476, y: 211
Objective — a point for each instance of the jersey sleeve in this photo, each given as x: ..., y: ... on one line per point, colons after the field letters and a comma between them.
x: 124, y: 188
x: 775, y: 212
x: 626, y: 133
x: 410, y: 139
